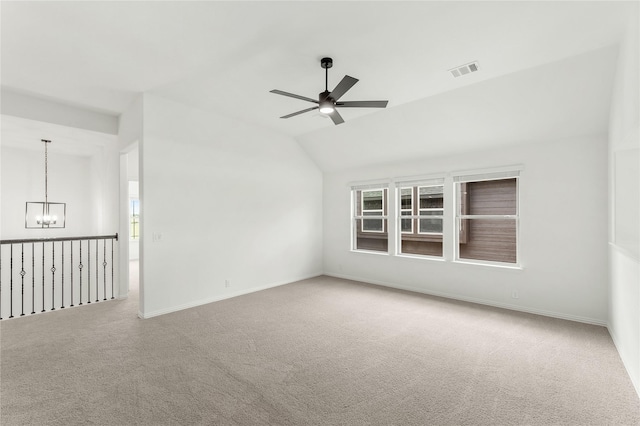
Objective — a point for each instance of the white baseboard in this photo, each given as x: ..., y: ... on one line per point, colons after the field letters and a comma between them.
x: 217, y: 298
x: 634, y: 380
x: 518, y: 308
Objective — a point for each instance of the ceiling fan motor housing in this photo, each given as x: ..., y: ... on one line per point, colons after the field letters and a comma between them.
x: 326, y: 103
x: 324, y: 96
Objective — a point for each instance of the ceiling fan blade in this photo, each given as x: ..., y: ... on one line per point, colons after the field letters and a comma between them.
x: 362, y: 104
x: 291, y: 95
x: 299, y: 112
x: 336, y: 117
x: 345, y: 84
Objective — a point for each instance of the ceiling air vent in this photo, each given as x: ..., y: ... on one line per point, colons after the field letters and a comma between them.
x: 464, y: 69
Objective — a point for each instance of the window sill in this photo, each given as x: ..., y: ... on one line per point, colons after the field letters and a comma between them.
x: 419, y: 257
x: 489, y: 265
x: 379, y: 253
x: 514, y: 267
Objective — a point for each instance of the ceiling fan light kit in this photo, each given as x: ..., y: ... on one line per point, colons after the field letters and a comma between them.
x: 328, y: 101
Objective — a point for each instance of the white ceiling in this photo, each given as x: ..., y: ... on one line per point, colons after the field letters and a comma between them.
x: 561, y: 100
x: 226, y: 56
x: 17, y: 132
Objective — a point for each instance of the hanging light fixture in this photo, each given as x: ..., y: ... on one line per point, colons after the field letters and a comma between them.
x: 45, y: 215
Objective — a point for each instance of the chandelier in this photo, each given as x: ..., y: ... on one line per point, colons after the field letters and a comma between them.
x: 45, y: 215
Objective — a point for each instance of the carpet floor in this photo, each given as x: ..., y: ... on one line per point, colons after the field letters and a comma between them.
x: 323, y: 351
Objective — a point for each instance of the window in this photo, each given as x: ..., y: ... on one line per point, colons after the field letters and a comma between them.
x: 134, y: 218
x: 421, y: 208
x: 464, y: 217
x: 370, y: 219
x: 487, y: 218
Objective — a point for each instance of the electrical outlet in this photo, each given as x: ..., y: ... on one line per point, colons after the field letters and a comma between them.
x: 227, y: 283
x: 515, y: 294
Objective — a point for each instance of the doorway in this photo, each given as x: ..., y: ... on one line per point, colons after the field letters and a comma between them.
x: 134, y: 237
x: 130, y: 218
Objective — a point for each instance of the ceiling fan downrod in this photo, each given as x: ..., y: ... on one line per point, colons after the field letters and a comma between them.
x: 326, y: 63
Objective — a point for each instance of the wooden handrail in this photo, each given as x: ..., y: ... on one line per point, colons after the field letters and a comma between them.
x: 46, y: 240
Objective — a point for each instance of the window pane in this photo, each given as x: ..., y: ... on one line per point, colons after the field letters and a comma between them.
x: 431, y: 225
x: 405, y: 198
x: 372, y: 241
x: 431, y: 197
x: 372, y: 200
x: 426, y: 248
x: 431, y: 212
x: 492, y: 197
x: 405, y: 225
x: 372, y: 205
x: 489, y: 239
x: 372, y: 225
x: 422, y: 244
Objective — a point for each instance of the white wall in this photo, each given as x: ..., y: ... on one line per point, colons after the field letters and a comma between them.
x: 130, y: 125
x: 33, y: 108
x: 82, y: 170
x: 69, y: 182
x: 228, y: 201
x: 104, y: 191
x: 86, y: 184
x: 563, y: 243
x: 624, y: 213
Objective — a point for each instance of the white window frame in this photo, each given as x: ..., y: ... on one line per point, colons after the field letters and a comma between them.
x: 420, y: 210
x: 436, y: 180
x: 355, y: 229
x: 483, y: 177
x: 374, y: 217
x: 401, y: 210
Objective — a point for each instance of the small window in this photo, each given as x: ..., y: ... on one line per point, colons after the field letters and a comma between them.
x: 421, y: 221
x: 487, y: 220
x: 134, y: 219
x: 370, y: 219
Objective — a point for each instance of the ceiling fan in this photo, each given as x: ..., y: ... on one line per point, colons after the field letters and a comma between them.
x: 328, y: 101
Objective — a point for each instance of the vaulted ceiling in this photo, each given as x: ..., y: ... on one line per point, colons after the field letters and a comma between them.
x: 226, y: 56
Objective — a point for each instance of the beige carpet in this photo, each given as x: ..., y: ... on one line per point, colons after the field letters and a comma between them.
x: 323, y: 351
